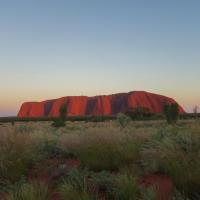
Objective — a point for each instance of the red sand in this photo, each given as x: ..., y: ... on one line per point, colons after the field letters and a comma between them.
x: 48, y: 171
x: 161, y: 183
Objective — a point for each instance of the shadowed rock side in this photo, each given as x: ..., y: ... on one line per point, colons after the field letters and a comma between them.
x: 97, y: 105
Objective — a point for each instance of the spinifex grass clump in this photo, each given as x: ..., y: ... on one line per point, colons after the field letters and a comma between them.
x: 29, y: 191
x: 17, y: 151
x: 84, y: 184
x: 70, y: 193
x: 107, y: 155
x: 76, y: 185
x: 126, y: 187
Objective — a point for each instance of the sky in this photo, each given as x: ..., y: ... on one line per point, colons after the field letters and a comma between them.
x: 55, y: 48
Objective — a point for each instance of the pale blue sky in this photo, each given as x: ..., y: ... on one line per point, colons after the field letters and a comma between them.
x: 53, y: 48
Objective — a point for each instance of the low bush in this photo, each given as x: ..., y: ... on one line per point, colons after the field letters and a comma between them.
x: 140, y: 113
x: 122, y: 120
x: 171, y: 112
x: 60, y: 121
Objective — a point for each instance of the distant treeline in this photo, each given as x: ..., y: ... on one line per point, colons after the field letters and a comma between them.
x: 69, y: 118
x: 133, y: 116
x: 189, y: 116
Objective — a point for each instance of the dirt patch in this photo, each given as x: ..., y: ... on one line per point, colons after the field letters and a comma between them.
x: 162, y: 184
x: 50, y: 170
x: 56, y: 196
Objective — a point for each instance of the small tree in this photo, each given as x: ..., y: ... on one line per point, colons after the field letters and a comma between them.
x: 195, y: 111
x: 123, y: 120
x: 13, y: 122
x: 171, y: 112
x: 60, y: 121
x: 63, y: 111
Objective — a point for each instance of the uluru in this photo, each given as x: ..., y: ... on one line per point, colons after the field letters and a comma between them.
x: 97, y: 105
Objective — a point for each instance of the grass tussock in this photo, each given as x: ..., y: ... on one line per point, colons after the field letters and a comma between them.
x: 29, y: 191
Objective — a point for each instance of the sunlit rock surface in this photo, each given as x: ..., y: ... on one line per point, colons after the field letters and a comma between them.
x: 97, y: 105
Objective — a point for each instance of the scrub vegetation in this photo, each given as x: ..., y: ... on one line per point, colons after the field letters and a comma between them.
x: 113, y: 160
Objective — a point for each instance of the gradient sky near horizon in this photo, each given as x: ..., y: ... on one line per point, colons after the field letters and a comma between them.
x: 54, y: 48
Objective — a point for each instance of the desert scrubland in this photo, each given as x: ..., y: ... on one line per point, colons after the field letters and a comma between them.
x: 110, y: 160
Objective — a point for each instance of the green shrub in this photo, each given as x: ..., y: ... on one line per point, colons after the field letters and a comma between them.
x: 122, y: 120
x: 60, y: 121
x: 63, y: 111
x: 171, y: 112
x: 139, y: 113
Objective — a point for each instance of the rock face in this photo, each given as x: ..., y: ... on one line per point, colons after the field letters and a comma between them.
x: 97, y: 105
